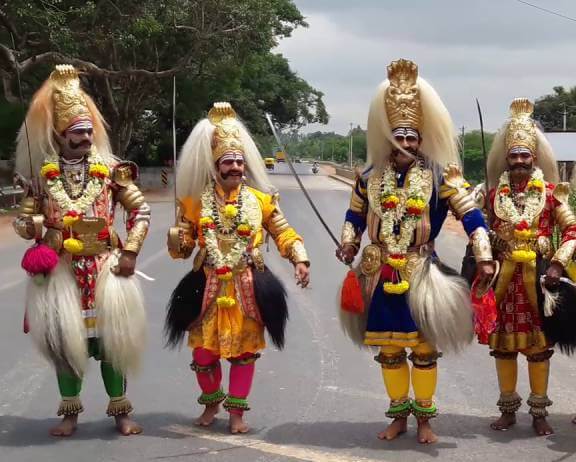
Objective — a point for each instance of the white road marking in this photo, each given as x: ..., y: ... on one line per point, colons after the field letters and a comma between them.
x: 296, y: 452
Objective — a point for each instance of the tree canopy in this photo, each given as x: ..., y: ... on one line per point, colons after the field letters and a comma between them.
x: 549, y: 109
x: 129, y: 50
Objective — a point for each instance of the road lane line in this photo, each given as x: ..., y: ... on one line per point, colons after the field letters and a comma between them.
x: 11, y: 284
x: 241, y: 442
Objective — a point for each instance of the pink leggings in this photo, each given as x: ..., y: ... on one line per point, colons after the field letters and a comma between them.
x: 241, y: 375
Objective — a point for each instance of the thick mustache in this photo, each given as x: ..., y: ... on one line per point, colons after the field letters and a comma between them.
x: 412, y: 151
x: 520, y: 167
x: 82, y: 144
x: 232, y: 173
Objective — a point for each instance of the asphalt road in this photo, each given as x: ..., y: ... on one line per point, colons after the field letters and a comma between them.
x: 320, y: 399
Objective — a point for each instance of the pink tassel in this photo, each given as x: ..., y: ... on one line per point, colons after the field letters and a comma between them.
x: 39, y: 259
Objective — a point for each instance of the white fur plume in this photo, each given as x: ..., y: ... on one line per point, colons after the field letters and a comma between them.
x: 55, y: 318
x: 441, y: 308
x: 121, y: 318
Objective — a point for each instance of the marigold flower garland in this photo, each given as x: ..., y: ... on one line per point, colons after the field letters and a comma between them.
x: 73, y: 209
x: 535, y: 199
x: 404, y: 209
x: 225, y: 263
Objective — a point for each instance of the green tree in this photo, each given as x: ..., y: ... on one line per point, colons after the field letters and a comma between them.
x: 130, y: 49
x: 260, y: 83
x: 328, y: 146
x: 473, y: 160
x: 549, y: 109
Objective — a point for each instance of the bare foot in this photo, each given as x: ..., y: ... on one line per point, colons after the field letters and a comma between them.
x: 425, y: 433
x: 66, y: 427
x: 504, y: 422
x: 126, y: 426
x: 541, y: 426
x: 396, y: 428
x: 208, y: 416
x: 237, y: 424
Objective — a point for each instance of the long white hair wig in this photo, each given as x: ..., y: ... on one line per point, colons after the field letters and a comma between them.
x: 497, y: 163
x: 36, y: 142
x: 439, y: 139
x: 196, y: 168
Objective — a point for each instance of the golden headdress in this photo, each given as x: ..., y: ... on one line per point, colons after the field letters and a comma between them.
x: 522, y: 128
x: 402, y: 97
x: 226, y: 138
x: 69, y: 102
x: 58, y: 103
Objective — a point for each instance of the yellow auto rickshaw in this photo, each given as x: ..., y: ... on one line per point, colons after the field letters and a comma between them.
x: 269, y: 162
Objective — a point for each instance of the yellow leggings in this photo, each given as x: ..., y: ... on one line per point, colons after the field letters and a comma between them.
x: 397, y: 375
x: 538, y: 373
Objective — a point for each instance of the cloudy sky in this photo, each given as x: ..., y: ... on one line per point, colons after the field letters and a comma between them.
x: 494, y: 50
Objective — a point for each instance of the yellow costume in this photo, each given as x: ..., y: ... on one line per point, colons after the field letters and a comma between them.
x: 230, y: 297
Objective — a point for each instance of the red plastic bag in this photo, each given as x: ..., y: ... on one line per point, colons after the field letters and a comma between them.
x: 485, y: 312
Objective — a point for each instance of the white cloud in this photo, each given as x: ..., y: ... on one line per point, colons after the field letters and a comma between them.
x: 493, y: 50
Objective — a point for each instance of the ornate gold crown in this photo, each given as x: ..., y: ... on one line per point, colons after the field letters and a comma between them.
x: 522, y: 129
x: 69, y: 102
x: 226, y: 138
x: 402, y: 98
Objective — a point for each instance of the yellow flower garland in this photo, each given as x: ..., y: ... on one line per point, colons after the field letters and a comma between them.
x: 230, y: 211
x: 396, y: 288
x: 225, y: 302
x: 73, y: 246
x: 49, y: 167
x: 523, y: 256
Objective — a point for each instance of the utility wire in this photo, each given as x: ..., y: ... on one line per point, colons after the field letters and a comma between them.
x: 555, y: 13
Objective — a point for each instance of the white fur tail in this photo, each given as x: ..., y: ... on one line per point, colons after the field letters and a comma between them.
x: 550, y: 300
x: 122, y: 322
x: 55, y: 317
x: 353, y: 324
x: 441, y: 307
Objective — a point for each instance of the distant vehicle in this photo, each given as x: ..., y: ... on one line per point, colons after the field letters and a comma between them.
x: 280, y: 156
x: 298, y: 161
x: 315, y: 168
x: 269, y: 162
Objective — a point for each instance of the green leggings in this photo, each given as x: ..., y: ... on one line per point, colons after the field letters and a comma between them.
x: 70, y: 385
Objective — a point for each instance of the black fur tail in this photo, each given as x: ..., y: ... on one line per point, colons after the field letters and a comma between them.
x: 444, y: 268
x: 560, y: 328
x: 184, y: 307
x: 271, y: 299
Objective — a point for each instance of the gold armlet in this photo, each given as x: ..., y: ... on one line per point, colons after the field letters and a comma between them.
x: 481, y: 245
x: 125, y: 173
x: 453, y: 177
x: 298, y: 254
x: 564, y: 216
x: 356, y: 203
x: 29, y: 206
x: 277, y: 223
x: 136, y: 236
x: 348, y: 236
x: 130, y: 197
x: 21, y: 225
x: 564, y: 253
x: 461, y: 203
x: 178, y: 245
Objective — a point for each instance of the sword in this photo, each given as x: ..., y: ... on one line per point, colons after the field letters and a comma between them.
x: 174, y: 145
x: 293, y: 170
x: 487, y: 193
